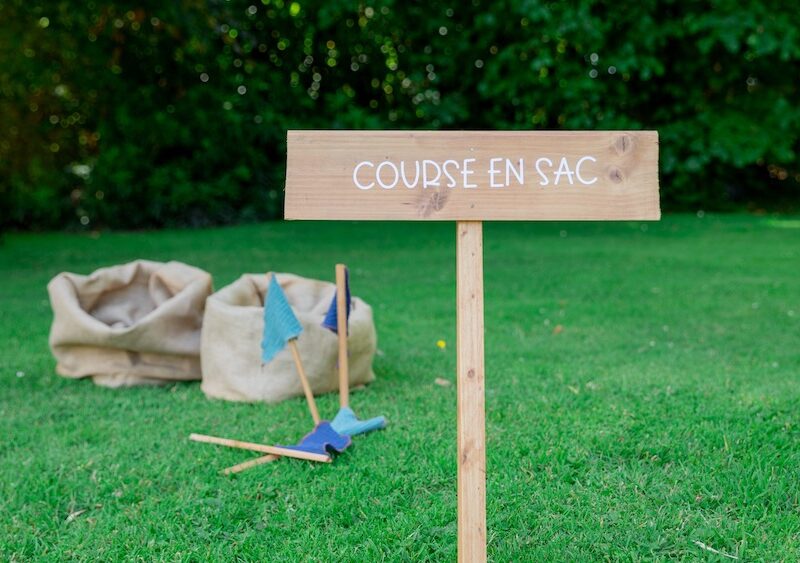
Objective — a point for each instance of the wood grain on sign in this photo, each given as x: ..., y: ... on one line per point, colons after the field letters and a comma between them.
x: 472, y: 175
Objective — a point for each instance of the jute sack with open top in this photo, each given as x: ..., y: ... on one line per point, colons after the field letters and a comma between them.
x: 233, y: 328
x: 133, y: 324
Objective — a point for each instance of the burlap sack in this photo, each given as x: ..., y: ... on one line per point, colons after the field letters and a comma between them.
x: 134, y: 324
x: 233, y: 328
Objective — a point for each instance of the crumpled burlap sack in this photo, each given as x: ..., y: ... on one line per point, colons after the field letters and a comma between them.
x: 134, y: 324
x: 233, y: 328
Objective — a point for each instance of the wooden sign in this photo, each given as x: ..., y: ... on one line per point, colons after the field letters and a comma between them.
x: 475, y: 175
x: 470, y: 177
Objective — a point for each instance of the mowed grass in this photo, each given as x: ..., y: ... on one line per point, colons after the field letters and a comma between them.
x: 642, y: 394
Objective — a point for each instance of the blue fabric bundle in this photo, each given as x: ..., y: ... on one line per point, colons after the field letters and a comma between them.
x: 322, y: 440
x: 280, y: 324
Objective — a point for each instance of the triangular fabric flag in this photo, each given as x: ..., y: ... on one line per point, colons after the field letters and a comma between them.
x: 347, y: 424
x: 332, y: 316
x: 280, y: 324
x: 322, y: 440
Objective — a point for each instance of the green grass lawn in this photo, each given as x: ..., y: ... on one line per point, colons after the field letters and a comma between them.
x: 642, y: 393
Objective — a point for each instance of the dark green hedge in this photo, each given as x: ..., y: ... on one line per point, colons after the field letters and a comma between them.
x: 150, y: 113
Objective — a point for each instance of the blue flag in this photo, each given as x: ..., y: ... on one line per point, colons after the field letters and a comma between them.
x: 322, y: 440
x: 280, y: 324
x: 331, y: 321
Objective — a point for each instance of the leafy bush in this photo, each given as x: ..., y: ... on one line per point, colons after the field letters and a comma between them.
x: 147, y: 114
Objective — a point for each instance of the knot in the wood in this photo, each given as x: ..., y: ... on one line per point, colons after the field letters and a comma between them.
x: 430, y: 202
x: 615, y: 175
x: 471, y: 374
x: 623, y: 144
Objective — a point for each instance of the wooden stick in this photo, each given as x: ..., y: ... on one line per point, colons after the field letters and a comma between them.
x: 239, y: 467
x: 275, y: 450
x: 341, y: 328
x: 470, y: 377
x: 312, y: 405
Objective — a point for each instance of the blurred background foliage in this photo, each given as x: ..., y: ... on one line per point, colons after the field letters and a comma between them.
x: 145, y: 114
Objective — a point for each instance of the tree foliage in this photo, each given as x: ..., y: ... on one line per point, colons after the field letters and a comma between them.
x: 147, y: 114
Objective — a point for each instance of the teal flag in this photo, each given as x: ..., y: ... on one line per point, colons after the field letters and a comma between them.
x: 347, y: 424
x: 280, y: 324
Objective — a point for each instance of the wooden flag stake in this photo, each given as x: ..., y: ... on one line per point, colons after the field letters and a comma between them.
x: 274, y: 450
x: 471, y: 408
x: 312, y: 405
x: 341, y: 329
x: 239, y: 467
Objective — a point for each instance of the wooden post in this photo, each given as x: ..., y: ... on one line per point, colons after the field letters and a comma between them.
x: 341, y: 328
x: 470, y: 380
x: 336, y: 175
x: 312, y: 404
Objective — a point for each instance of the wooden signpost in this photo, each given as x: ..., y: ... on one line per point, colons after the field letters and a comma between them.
x: 470, y: 177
